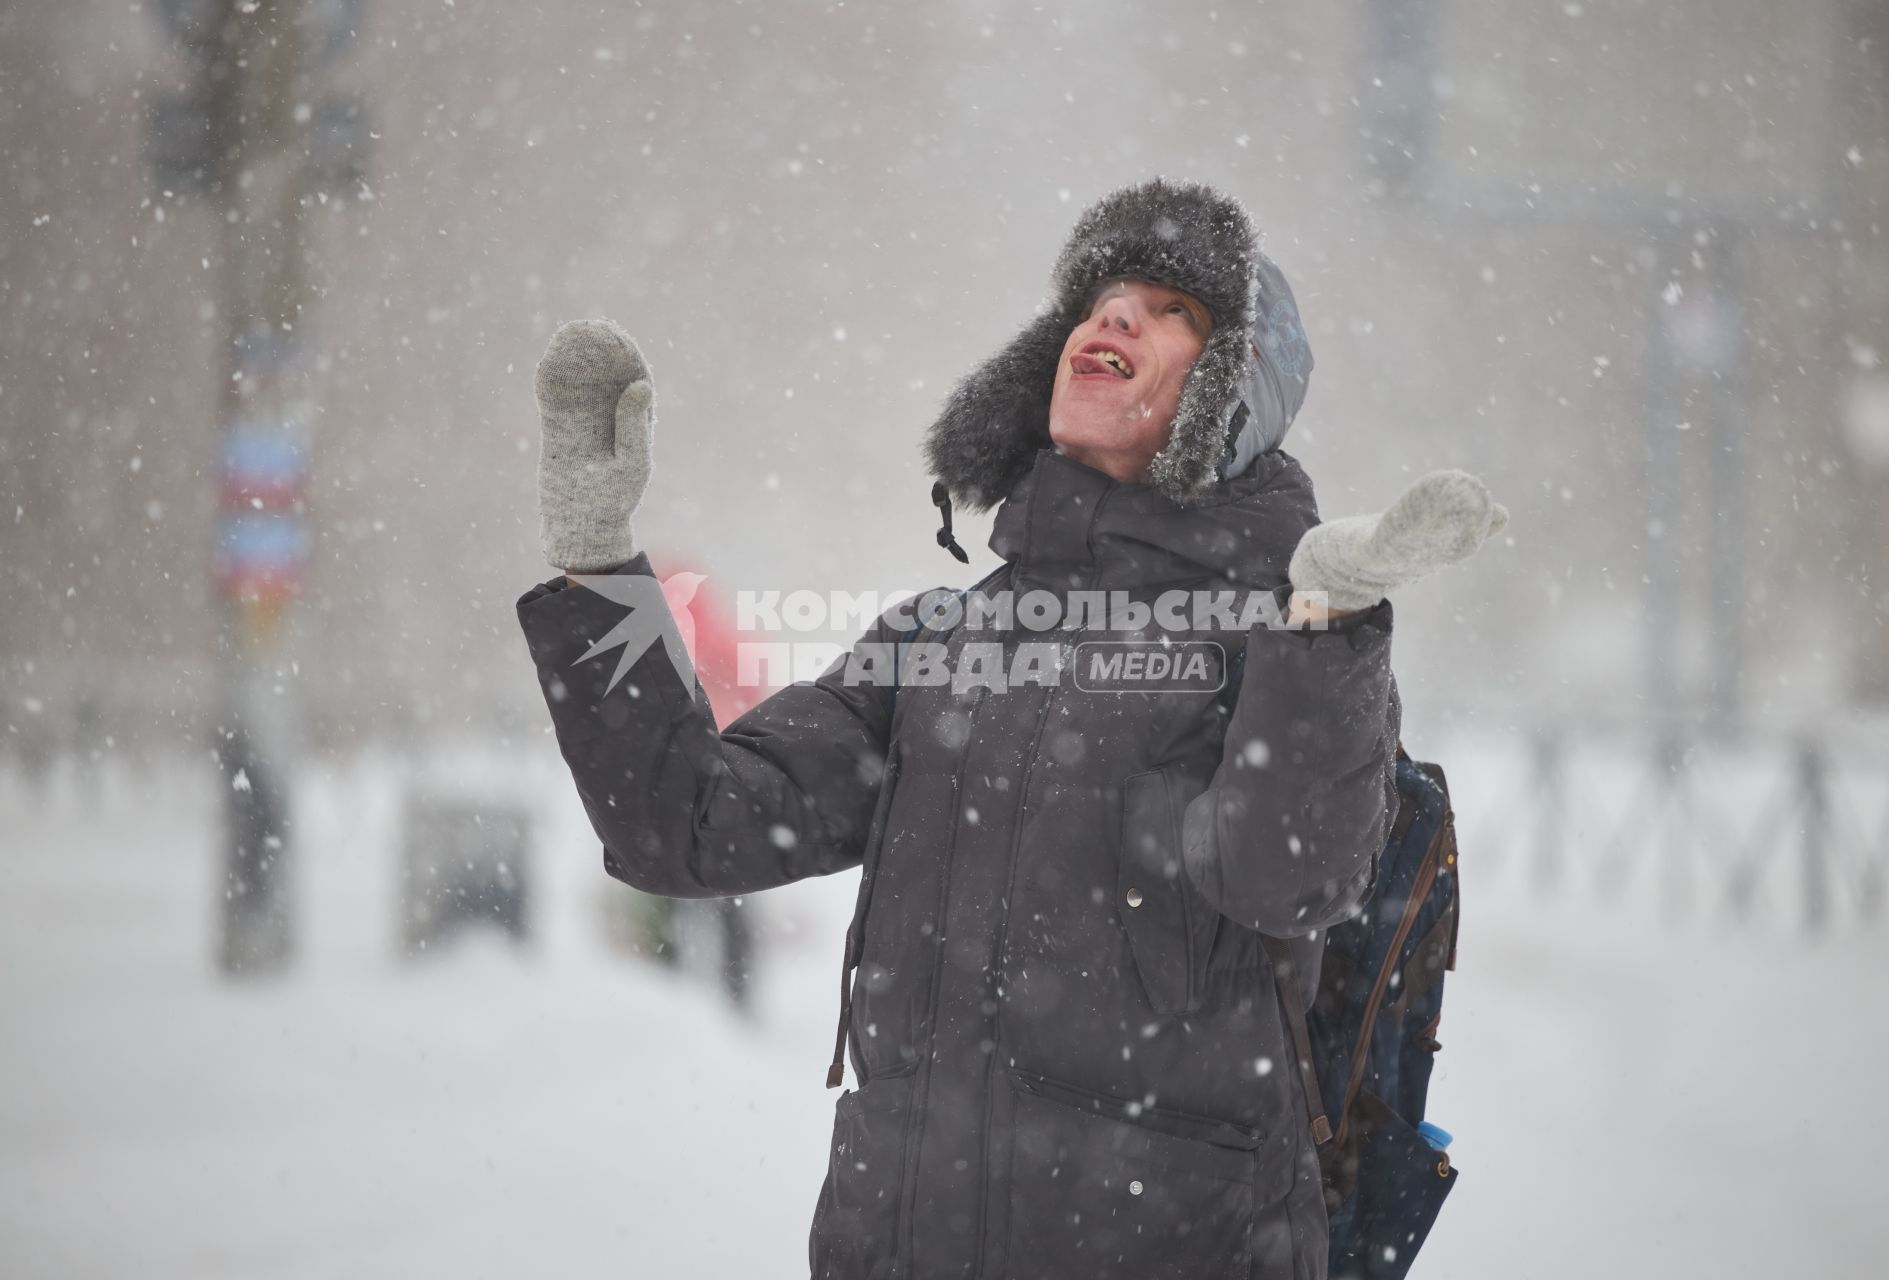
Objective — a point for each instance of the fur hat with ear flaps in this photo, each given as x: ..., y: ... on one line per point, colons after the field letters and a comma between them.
x: 1236, y: 402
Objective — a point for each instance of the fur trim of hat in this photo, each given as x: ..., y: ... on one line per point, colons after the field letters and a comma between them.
x: 1183, y: 235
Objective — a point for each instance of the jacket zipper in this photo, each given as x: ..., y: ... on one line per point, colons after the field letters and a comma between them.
x: 1419, y: 890
x: 921, y: 1088
x: 1002, y: 957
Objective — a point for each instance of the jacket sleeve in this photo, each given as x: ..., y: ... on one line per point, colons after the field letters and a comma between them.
x: 684, y: 811
x: 1286, y: 838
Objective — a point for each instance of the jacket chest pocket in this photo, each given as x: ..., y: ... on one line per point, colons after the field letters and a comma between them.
x: 1170, y: 928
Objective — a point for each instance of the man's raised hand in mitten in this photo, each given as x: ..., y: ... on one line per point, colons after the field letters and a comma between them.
x: 597, y: 408
x: 1358, y: 560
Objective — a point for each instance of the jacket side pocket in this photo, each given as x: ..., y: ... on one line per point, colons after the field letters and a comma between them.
x: 1170, y: 930
x: 1096, y: 1194
x: 855, y: 1228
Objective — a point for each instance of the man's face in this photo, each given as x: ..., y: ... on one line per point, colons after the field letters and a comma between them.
x: 1119, y: 382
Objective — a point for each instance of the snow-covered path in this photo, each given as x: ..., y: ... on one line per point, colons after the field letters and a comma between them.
x: 1627, y: 1101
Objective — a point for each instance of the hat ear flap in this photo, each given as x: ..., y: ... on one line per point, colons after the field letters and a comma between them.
x: 1187, y: 466
x: 997, y: 417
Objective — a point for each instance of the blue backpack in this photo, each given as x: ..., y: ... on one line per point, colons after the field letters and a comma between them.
x: 1367, y: 1045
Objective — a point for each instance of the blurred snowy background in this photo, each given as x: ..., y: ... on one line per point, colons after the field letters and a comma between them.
x: 1623, y: 259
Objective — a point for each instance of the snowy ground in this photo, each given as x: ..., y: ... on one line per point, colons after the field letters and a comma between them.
x: 1629, y: 1100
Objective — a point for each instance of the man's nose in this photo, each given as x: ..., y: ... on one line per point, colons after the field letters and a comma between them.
x: 1121, y: 313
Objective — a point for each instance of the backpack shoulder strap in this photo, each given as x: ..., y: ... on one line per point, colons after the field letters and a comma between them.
x: 1280, y: 954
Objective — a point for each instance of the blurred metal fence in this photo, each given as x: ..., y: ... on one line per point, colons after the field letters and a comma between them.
x: 1784, y: 830
x: 1759, y: 831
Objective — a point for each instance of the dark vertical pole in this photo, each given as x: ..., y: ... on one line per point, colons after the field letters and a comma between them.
x: 1672, y: 829
x: 250, y: 135
x: 259, y: 552
x: 1731, y: 427
x: 1667, y: 406
x: 1398, y: 88
x: 1815, y: 848
x: 1551, y: 819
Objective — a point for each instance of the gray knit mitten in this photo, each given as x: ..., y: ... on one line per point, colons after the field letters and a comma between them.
x: 597, y: 408
x: 1358, y: 560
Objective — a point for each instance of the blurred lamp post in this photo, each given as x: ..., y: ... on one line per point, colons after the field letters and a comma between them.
x: 1702, y: 330
x: 1866, y: 432
x: 253, y: 135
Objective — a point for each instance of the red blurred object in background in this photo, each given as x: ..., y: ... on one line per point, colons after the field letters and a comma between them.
x: 706, y: 618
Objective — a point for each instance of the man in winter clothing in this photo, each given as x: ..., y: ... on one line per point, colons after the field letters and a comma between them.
x: 1070, y: 1055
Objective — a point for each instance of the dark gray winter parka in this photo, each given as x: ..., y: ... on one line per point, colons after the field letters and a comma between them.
x: 1071, y: 1057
